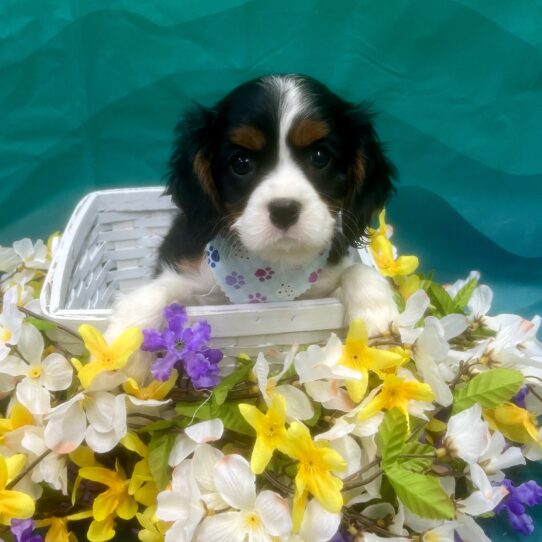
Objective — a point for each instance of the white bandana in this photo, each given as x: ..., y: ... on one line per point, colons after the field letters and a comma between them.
x: 246, y: 278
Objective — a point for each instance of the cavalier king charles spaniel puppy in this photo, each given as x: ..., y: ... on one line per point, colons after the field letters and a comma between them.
x: 275, y: 185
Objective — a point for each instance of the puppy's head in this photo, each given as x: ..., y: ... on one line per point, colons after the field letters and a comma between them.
x: 279, y: 161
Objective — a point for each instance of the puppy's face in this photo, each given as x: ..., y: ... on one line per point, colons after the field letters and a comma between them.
x: 276, y: 160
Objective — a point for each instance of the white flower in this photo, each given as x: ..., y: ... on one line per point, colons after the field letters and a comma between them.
x: 34, y: 256
x: 11, y: 321
x: 443, y: 533
x: 497, y: 457
x: 97, y: 417
x: 485, y: 498
x: 480, y: 302
x: 9, y: 260
x: 415, y: 308
x: 453, y: 289
x: 194, y: 436
x: 181, y: 504
x: 258, y: 518
x: 54, y: 373
x: 467, y: 435
x: 298, y: 405
x: 318, y: 525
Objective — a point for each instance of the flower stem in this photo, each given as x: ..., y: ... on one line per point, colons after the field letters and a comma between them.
x: 22, y: 474
x: 63, y: 328
x: 278, y: 484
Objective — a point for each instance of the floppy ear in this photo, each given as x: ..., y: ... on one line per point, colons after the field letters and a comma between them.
x: 370, y: 175
x: 190, y: 182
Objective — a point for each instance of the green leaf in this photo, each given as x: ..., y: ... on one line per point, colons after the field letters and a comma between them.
x: 417, y: 464
x: 421, y: 493
x: 441, y: 299
x: 489, y: 389
x: 42, y: 325
x: 392, y: 435
x: 160, y: 447
x: 220, y: 392
x: 159, y: 425
x: 463, y: 296
x: 228, y: 412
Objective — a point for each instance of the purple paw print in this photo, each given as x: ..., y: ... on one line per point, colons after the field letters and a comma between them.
x: 264, y: 274
x: 313, y: 277
x: 257, y: 298
x: 213, y: 256
x: 235, y: 279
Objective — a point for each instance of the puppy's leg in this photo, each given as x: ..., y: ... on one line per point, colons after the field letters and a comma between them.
x: 366, y: 294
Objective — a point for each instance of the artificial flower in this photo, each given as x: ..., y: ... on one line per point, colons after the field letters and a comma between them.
x: 514, y: 504
x: 318, y: 525
x: 515, y: 423
x: 105, y: 357
x: 23, y: 531
x: 270, y: 430
x: 39, y: 378
x: 183, y: 347
x: 254, y: 517
x: 499, y: 455
x: 397, y: 392
x: 11, y: 320
x: 58, y: 530
x: 316, y: 462
x: 359, y: 356
x: 485, y: 498
x: 34, y: 256
x: 153, y: 530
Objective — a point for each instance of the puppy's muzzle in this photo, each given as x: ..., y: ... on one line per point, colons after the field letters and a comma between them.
x: 284, y: 212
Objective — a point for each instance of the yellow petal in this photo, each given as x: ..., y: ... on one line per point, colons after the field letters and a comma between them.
x: 373, y: 407
x: 58, y: 531
x: 133, y: 443
x: 384, y: 359
x: 16, y: 504
x: 298, y: 508
x: 20, y: 416
x: 14, y: 464
x: 356, y: 388
x: 146, y: 494
x: 261, y: 455
x: 101, y: 475
x: 3, y: 472
x: 405, y: 265
x: 88, y: 373
x: 254, y: 417
x: 101, y: 531
x: 83, y: 457
x: 94, y: 340
x: 357, y: 332
x: 105, y: 504
x: 327, y: 491
x: 127, y: 507
x: 125, y: 345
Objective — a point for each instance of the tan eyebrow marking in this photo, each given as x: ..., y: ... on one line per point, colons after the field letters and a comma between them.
x: 248, y: 137
x: 202, y: 169
x: 307, y: 131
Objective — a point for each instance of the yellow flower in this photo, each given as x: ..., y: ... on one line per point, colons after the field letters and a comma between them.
x: 515, y: 423
x: 103, y: 356
x: 13, y: 504
x: 58, y: 526
x: 156, y: 390
x: 115, y: 501
x: 358, y: 355
x: 153, y: 530
x: 382, y: 252
x: 316, y: 462
x: 396, y: 393
x: 407, y: 285
x: 270, y: 430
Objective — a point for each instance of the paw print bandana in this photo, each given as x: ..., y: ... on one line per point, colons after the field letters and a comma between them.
x: 246, y: 278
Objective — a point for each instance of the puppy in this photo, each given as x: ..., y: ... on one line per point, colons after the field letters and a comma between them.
x: 276, y: 184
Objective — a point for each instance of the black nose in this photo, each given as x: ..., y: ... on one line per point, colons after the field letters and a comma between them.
x: 284, y: 212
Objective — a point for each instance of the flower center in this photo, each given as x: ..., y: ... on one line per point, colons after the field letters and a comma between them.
x: 35, y: 372
x: 179, y: 345
x: 252, y: 521
x: 5, y: 335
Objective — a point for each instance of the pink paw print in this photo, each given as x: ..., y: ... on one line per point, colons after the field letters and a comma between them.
x: 313, y: 277
x: 257, y: 298
x: 264, y: 274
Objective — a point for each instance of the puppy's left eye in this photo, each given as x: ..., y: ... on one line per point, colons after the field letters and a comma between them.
x: 320, y: 158
x: 242, y: 163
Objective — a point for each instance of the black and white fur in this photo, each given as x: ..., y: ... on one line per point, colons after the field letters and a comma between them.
x: 327, y: 189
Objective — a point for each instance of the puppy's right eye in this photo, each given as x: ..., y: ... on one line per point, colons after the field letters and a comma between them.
x: 241, y: 163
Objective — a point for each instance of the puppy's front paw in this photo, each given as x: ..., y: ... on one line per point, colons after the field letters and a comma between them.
x: 367, y: 295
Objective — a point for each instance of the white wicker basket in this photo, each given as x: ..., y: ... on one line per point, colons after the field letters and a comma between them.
x: 109, y: 245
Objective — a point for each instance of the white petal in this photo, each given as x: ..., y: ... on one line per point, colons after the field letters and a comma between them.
x: 24, y: 248
x: 225, y: 527
x: 379, y: 510
x: 182, y: 448
x: 13, y: 366
x: 274, y: 512
x: 101, y: 442
x: 298, y: 405
x: 350, y: 451
x: 469, y: 433
x: 235, y: 482
x: 207, y: 431
x: 339, y: 429
x: 415, y: 308
x: 57, y: 372
x: 480, y: 302
x: 35, y: 398
x: 203, y: 463
x: 31, y: 344
x: 431, y: 375
x: 318, y: 524
x: 172, y: 506
x: 100, y: 407
x: 454, y: 325
x: 33, y: 441
x: 468, y: 529
x: 288, y: 360
x: 369, y: 427
x: 432, y: 343
x: 66, y: 430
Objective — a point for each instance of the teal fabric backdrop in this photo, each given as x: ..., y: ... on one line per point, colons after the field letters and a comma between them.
x: 90, y: 91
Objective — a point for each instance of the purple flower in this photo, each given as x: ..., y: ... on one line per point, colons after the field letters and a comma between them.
x: 183, y: 347
x: 341, y: 536
x: 519, y: 398
x: 526, y: 494
x: 21, y: 529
